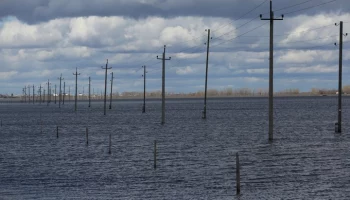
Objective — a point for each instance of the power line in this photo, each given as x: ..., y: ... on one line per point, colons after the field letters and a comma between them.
x: 235, y: 28
x: 244, y: 14
x: 240, y: 35
x: 292, y: 5
x: 310, y: 7
x: 288, y: 33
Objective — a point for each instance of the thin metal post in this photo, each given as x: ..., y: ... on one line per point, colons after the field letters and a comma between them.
x: 238, y: 175
x: 87, y: 136
x: 110, y: 144
x: 155, y: 155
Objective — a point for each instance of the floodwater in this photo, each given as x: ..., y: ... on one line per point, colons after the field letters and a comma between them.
x: 195, y: 157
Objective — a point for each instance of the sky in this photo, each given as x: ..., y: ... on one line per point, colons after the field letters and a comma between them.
x: 42, y: 39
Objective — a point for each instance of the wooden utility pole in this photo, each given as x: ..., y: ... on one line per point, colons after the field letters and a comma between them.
x: 163, y: 84
x: 206, y: 78
x: 110, y: 103
x: 340, y: 91
x: 105, y: 99
x: 144, y: 90
x: 271, y: 19
x: 76, y: 88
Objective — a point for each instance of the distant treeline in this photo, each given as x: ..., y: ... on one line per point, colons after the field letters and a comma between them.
x: 227, y: 92
x: 241, y: 92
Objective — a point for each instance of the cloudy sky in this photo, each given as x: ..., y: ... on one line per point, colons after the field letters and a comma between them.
x: 41, y: 39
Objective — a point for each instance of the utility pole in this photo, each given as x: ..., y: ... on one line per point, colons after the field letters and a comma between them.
x: 55, y: 94
x: 64, y: 91
x: 144, y: 89
x: 271, y: 19
x: 60, y: 92
x: 340, y: 91
x: 40, y: 94
x: 28, y: 87
x: 25, y: 94
x: 76, y: 88
x: 69, y: 93
x: 106, y: 68
x: 22, y: 98
x: 33, y: 95
x: 163, y: 84
x: 206, y: 78
x: 44, y: 96
x: 83, y: 93
x: 89, y: 91
x: 48, y: 92
x: 110, y: 103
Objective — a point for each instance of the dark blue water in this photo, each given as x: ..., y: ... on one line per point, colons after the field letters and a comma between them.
x: 196, y: 158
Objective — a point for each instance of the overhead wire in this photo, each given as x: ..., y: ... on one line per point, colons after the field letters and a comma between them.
x: 310, y: 7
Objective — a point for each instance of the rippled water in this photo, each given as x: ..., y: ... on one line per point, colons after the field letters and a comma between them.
x: 196, y: 158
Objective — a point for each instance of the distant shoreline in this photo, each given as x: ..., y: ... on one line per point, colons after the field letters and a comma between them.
x: 19, y: 99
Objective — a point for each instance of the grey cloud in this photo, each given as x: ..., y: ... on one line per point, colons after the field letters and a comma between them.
x: 35, y: 11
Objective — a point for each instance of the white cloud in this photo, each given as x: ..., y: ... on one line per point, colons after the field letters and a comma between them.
x: 43, y: 51
x: 8, y: 75
x: 184, y: 71
x: 257, y: 71
x: 307, y: 56
x: 312, y: 69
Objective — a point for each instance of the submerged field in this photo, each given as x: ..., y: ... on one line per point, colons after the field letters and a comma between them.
x: 196, y: 158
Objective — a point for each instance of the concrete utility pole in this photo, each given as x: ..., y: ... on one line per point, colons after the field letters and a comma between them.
x: 44, y: 96
x: 55, y: 94
x: 206, y: 79
x: 40, y: 94
x: 69, y: 93
x: 25, y: 94
x: 271, y: 19
x: 33, y: 94
x: 76, y: 88
x: 64, y: 91
x: 110, y: 103
x: 83, y: 93
x: 48, y: 92
x: 340, y: 91
x: 60, y: 91
x: 144, y: 89
x: 105, y: 100
x: 89, y: 91
x: 163, y: 84
x: 28, y: 93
